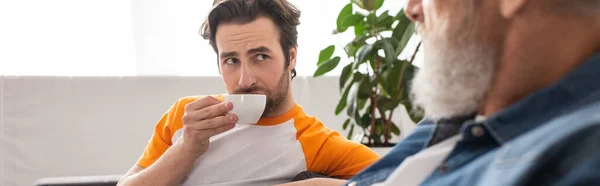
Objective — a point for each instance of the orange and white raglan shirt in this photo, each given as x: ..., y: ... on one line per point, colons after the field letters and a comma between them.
x: 270, y: 152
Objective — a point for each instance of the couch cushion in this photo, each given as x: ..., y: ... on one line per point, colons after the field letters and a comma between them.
x: 104, y: 180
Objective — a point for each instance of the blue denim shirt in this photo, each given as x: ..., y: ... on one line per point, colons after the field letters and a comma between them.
x: 551, y: 137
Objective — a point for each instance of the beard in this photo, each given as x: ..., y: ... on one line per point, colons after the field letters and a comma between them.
x: 457, y: 72
x: 275, y: 96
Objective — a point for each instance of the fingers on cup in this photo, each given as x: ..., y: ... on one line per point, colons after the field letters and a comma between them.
x: 211, y: 123
x: 218, y: 122
x: 209, y: 112
x: 202, y: 103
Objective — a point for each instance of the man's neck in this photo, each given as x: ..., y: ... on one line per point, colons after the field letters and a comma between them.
x: 537, y: 56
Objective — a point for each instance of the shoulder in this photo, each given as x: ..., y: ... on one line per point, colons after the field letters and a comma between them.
x: 559, y: 131
x: 326, y: 151
x: 564, y: 144
x: 577, y: 144
x: 571, y: 160
x: 312, y: 129
x: 313, y: 134
x: 563, y: 129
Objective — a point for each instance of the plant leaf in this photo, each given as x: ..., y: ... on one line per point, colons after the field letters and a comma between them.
x: 359, y: 3
x: 378, y: 127
x: 383, y: 16
x: 378, y: 4
x: 372, y: 19
x: 350, y: 132
x: 350, y: 49
x: 345, y: 75
x: 386, y: 103
x: 388, y: 49
x: 351, y: 99
x: 416, y: 115
x: 361, y: 103
x: 357, y: 77
x: 400, y: 29
x: 376, y: 139
x: 346, y: 11
x: 380, y: 29
x: 343, y: 101
x: 385, y: 20
x: 403, y: 22
x: 355, y: 44
x: 345, y: 125
x: 370, y: 4
x: 393, y: 77
x: 365, y: 89
x: 364, y: 52
x: 383, y: 80
x: 325, y: 54
x: 352, y: 20
x: 372, y: 61
x: 359, y: 29
x: 365, y: 120
x: 327, y: 66
x: 366, y: 4
x: 394, y: 129
x: 408, y: 33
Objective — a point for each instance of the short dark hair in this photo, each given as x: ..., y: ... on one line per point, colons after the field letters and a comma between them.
x: 285, y: 15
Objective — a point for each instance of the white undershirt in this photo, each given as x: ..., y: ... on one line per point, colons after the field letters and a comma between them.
x: 416, y: 168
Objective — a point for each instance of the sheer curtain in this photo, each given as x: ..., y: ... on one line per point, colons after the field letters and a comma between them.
x: 168, y: 42
x: 66, y: 37
x: 136, y: 38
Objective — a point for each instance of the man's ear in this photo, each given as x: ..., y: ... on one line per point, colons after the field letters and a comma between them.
x: 510, y: 8
x: 293, y: 54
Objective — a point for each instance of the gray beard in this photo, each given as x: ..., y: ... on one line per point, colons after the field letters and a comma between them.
x: 455, y: 76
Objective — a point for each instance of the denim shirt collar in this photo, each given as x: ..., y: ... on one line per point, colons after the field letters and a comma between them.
x: 577, y: 89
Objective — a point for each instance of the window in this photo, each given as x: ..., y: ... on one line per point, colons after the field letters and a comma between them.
x: 138, y: 37
x: 66, y: 37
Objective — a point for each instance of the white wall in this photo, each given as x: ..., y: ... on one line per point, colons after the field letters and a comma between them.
x: 75, y: 126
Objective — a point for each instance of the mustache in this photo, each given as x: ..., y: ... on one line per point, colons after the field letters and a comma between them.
x: 248, y: 90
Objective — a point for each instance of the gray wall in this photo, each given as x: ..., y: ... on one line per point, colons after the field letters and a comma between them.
x: 76, y: 126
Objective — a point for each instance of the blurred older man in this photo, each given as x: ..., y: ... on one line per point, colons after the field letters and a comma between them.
x: 511, y: 93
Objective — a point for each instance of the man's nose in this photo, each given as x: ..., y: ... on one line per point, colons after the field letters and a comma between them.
x: 247, y: 77
x: 414, y: 10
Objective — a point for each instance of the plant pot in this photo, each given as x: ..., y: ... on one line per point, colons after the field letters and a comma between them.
x: 382, y: 151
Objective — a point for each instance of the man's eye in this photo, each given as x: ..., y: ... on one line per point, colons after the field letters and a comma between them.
x: 231, y: 61
x: 261, y: 57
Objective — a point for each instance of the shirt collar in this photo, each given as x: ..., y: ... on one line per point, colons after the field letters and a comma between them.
x: 577, y: 89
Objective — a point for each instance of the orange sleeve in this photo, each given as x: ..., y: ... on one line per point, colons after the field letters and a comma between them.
x: 164, y: 131
x: 329, y: 153
x: 343, y: 158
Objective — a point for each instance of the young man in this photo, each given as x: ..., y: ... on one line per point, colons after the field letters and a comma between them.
x: 511, y: 93
x: 197, y: 143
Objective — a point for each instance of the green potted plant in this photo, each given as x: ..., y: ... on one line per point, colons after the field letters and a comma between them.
x: 375, y: 82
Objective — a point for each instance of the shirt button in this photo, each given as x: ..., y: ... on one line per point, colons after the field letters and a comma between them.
x: 352, y: 183
x: 477, y: 131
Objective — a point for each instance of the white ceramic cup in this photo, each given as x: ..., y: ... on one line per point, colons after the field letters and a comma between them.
x: 248, y: 107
